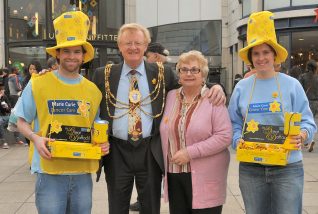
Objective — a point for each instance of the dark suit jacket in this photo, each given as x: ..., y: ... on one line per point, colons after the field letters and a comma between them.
x: 171, y: 82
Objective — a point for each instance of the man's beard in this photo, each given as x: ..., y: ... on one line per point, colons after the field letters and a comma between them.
x: 70, y: 69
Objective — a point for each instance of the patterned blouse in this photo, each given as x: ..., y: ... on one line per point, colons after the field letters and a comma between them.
x: 179, y: 121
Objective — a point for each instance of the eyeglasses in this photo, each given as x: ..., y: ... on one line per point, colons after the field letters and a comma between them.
x: 193, y: 70
x: 130, y: 44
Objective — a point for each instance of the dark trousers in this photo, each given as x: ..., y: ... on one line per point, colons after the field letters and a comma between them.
x: 180, y: 196
x: 13, y: 100
x: 126, y: 163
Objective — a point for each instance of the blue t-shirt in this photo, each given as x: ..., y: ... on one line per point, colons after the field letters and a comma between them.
x: 26, y: 109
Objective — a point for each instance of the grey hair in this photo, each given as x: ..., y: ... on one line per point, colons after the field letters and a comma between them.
x: 198, y: 56
x: 134, y: 27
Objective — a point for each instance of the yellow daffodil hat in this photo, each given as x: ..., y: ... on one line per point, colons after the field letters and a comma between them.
x: 71, y: 29
x: 261, y: 29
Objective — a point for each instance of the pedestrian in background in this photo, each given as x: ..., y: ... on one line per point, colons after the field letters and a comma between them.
x: 15, y: 89
x: 250, y: 71
x: 33, y: 68
x: 5, y: 110
x: 295, y: 72
x: 52, y: 64
x: 156, y: 53
x: 309, y: 81
x: 14, y: 86
x: 237, y: 78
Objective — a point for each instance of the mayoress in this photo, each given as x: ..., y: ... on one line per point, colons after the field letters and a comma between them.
x: 195, y: 135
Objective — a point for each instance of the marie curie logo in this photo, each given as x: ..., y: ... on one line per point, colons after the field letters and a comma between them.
x: 265, y: 107
x: 69, y: 107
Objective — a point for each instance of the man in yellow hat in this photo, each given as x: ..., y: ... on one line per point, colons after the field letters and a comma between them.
x: 133, y: 102
x: 62, y: 104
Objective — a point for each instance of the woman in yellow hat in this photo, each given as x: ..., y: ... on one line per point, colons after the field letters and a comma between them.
x: 258, y: 103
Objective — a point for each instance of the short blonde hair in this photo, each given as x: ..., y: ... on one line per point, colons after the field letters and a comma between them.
x: 134, y: 27
x: 194, y: 56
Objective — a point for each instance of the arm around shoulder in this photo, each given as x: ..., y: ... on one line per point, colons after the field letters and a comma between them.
x: 98, y: 76
x: 171, y: 79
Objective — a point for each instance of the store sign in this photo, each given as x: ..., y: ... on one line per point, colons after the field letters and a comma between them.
x: 95, y: 37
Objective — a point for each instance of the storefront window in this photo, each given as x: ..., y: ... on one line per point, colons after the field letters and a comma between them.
x: 26, y: 20
x: 89, y: 7
x: 304, y: 48
x: 29, y: 29
x: 204, y: 36
x: 284, y: 41
x: 113, y: 16
x: 24, y: 55
x: 62, y: 6
x: 247, y: 7
x: 274, y: 4
x: 303, y: 2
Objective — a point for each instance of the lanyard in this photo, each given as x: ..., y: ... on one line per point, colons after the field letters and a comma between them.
x: 251, y: 97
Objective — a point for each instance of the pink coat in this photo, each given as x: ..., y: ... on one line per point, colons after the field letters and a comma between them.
x: 208, y: 136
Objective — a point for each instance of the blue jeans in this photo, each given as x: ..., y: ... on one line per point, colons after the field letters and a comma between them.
x: 272, y: 189
x: 59, y: 194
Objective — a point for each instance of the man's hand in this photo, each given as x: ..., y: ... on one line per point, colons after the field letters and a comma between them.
x: 40, y: 145
x: 44, y: 71
x: 216, y: 95
x: 181, y: 157
x: 105, y: 148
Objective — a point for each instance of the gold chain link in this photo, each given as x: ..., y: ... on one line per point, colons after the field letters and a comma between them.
x: 112, y: 100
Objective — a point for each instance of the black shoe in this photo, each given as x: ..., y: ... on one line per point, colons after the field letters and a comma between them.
x: 135, y: 206
x: 311, y: 147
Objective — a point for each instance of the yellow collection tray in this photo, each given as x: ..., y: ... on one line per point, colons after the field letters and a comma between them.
x: 62, y: 149
x: 263, y: 153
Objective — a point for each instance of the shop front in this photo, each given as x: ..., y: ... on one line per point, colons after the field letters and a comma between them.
x: 296, y: 23
x: 299, y: 37
x: 29, y: 29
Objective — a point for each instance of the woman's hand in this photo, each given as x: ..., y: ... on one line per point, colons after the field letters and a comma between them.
x: 298, y: 140
x: 181, y: 157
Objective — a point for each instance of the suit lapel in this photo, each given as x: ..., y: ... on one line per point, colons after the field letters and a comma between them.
x: 114, y: 77
x: 152, y: 75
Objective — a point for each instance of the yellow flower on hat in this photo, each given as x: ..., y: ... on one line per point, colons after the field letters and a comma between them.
x: 56, y: 127
x: 275, y: 94
x: 274, y: 106
x: 83, y: 108
x: 252, y: 126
